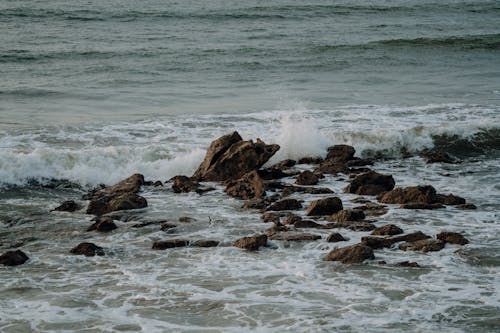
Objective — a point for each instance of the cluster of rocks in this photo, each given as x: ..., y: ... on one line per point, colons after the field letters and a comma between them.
x: 237, y: 164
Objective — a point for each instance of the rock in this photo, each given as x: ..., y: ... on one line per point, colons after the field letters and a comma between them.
x: 68, y: 206
x: 418, y: 205
x: 291, y: 219
x: 425, y: 245
x: 437, y: 157
x: 186, y: 219
x: 251, y: 243
x: 347, y: 215
x: 307, y: 178
x: 288, y: 163
x: 351, y: 254
x: 87, y: 249
x: 387, y: 230
x: 371, y: 209
x: 376, y: 242
x: 340, y: 153
x: 411, y: 237
x: 411, y: 194
x: 13, y: 258
x: 335, y: 237
x: 467, y: 206
x: 247, y: 187
x: 358, y: 162
x: 184, y: 184
x: 167, y: 226
x: 351, y: 225
x: 126, y: 202
x: 370, y: 183
x: 260, y: 203
x: 450, y: 199
x: 307, y: 224
x: 170, y: 243
x: 273, y: 216
x: 229, y: 157
x: 310, y: 160
x: 273, y: 173
x: 407, y: 264
x: 276, y: 228
x: 157, y: 183
x: 131, y: 184
x: 205, y: 243
x: 332, y: 167
x: 285, y: 204
x: 452, y: 238
x: 294, y: 236
x: 326, y: 206
x: 103, y: 224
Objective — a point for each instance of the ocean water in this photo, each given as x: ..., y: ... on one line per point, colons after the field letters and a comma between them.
x: 92, y: 92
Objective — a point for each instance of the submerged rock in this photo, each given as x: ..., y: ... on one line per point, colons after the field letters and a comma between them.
x: 450, y: 199
x: 247, y: 187
x: 13, y: 258
x: 351, y: 225
x: 370, y: 183
x: 68, y: 206
x: 251, y: 243
x: 326, y: 206
x: 87, y: 249
x: 335, y: 237
x: 418, y: 205
x: 205, y: 243
x: 351, y: 254
x: 170, y: 243
x: 103, y: 224
x: 382, y: 242
x: 293, y: 236
x: 452, y: 238
x: 437, y: 157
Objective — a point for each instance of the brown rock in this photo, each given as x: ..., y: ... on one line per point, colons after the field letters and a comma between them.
x: 273, y: 173
x: 372, y: 209
x: 351, y: 225
x: 108, y: 204
x: 184, y: 184
x: 335, y: 237
x: 467, y: 206
x: 387, y: 230
x: 370, y: 183
x: 358, y: 162
x: 186, y: 219
x: 411, y: 237
x: 450, y: 199
x: 452, y: 238
x: 310, y: 160
x: 294, y: 236
x: 285, y: 204
x: 418, y: 205
x: 340, y: 153
x: 288, y: 163
x: 326, y: 206
x: 307, y: 178
x: 307, y: 224
x: 332, y: 167
x: 205, y: 243
x: 131, y: 184
x: 276, y: 228
x: 291, y: 219
x: 171, y: 243
x: 273, y: 216
x: 87, y: 249
x: 13, y: 258
x: 247, y: 187
x: 251, y: 243
x: 425, y: 245
x: 438, y: 157
x: 229, y: 157
x: 407, y: 264
x: 412, y: 194
x: 351, y: 254
x: 103, y: 224
x: 68, y: 206
x: 376, y: 242
x: 347, y: 215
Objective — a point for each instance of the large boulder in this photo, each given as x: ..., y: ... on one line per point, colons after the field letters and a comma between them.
x: 370, y: 183
x: 347, y: 215
x: 351, y: 254
x: 13, y: 258
x: 131, y: 184
x: 340, y: 153
x: 229, y: 157
x: 411, y: 194
x: 326, y: 206
x: 247, y: 187
x: 251, y: 243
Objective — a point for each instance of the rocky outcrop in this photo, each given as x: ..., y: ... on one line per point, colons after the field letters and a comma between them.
x: 103, y: 224
x: 387, y: 230
x: 87, y: 249
x: 13, y: 258
x: 68, y: 206
x: 370, y: 183
x: 229, y: 157
x: 351, y: 254
x: 307, y: 178
x: 251, y: 243
x: 170, y: 243
x: 452, y: 238
x: 326, y: 206
x: 425, y: 245
x: 247, y: 187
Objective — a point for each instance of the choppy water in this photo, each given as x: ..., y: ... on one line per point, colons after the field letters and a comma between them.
x: 91, y: 92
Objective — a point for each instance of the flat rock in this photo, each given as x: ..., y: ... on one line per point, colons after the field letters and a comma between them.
x: 294, y: 236
x: 370, y: 183
x: 351, y: 225
x: 437, y: 157
x: 205, y: 243
x: 170, y: 243
x: 452, y: 238
x: 411, y: 194
x: 351, y: 254
x: 376, y: 242
x: 387, y: 230
x: 326, y: 206
x: 13, y: 258
x: 104, y: 205
x: 450, y: 199
x: 347, y: 215
x: 251, y: 243
x: 307, y: 224
x: 87, y: 249
x: 425, y: 245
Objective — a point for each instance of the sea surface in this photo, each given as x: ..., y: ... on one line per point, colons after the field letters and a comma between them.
x: 94, y: 91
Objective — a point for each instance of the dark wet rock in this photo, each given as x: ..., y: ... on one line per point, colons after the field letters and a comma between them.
x: 291, y: 219
x: 411, y: 194
x: 125, y: 202
x: 372, y: 209
x: 229, y: 157
x: 184, y: 184
x: 332, y: 168
x: 438, y: 157
x: 167, y: 226
x: 407, y: 264
x: 351, y: 225
x: 147, y: 223
x: 310, y: 160
x: 351, y: 254
x: 335, y: 237
x: 87, y: 249
x: 170, y: 243
x: 418, y: 205
x: 251, y: 243
x: 425, y: 245
x: 276, y: 228
x: 370, y: 183
x: 247, y: 187
x: 359, y: 162
x: 376, y: 242
x: 313, y: 190
x: 272, y: 173
x: 131, y: 184
x: 289, y: 189
x: 450, y: 199
x: 293, y: 236
x: 288, y: 163
x: 326, y: 206
x: 13, y: 258
x: 307, y: 224
x: 340, y: 153
x: 452, y: 238
x: 157, y: 183
x: 411, y: 237
x: 285, y: 204
x: 307, y: 178
x: 205, y: 243
x: 186, y: 219
x: 467, y: 206
x: 260, y: 203
x: 361, y: 200
x: 347, y: 215
x: 103, y: 224
x: 387, y: 230
x: 273, y: 216
x: 68, y: 206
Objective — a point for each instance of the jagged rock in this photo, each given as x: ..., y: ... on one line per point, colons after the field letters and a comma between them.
x: 307, y: 178
x: 13, y: 258
x: 376, y: 242
x: 340, y: 153
x: 370, y: 183
x: 247, y: 187
x: 411, y: 237
x: 205, y: 243
x: 452, y: 238
x: 184, y: 184
x: 335, y: 237
x: 68, y: 206
x: 131, y: 184
x: 273, y: 173
x: 170, y: 243
x: 87, y: 249
x: 285, y: 204
x: 418, y: 205
x: 294, y: 236
x: 411, y: 194
x: 467, y: 206
x: 387, y: 230
x: 251, y: 243
x: 326, y: 206
x: 307, y: 224
x: 351, y: 254
x: 450, y: 199
x: 437, y: 157
x: 347, y: 215
x: 103, y: 224
x: 288, y: 163
x: 229, y: 157
x: 310, y: 160
x: 425, y: 245
x: 260, y: 203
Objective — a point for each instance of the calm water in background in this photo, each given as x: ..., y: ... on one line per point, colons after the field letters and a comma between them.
x: 91, y: 92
